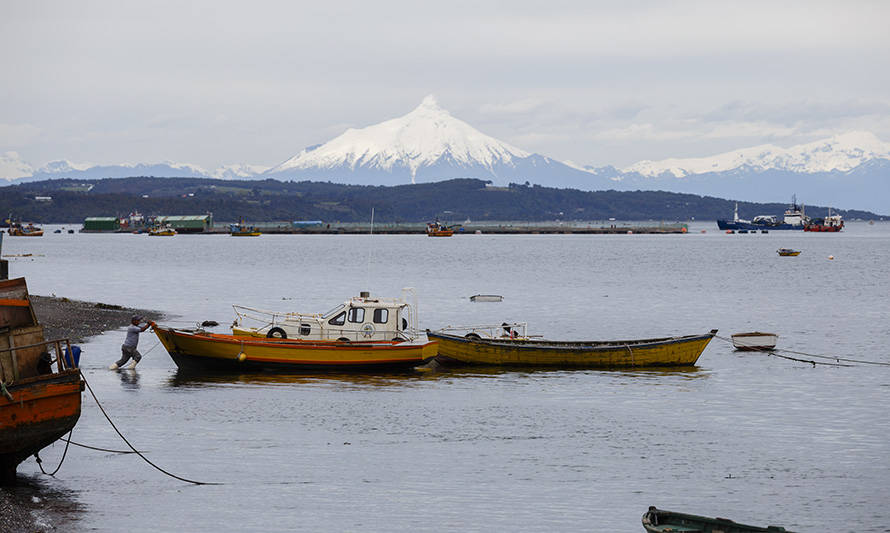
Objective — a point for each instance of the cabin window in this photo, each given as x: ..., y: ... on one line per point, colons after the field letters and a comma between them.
x: 381, y: 316
x: 305, y: 329
x: 357, y: 315
x: 338, y: 320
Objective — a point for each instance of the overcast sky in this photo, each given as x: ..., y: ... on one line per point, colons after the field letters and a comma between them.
x: 215, y: 83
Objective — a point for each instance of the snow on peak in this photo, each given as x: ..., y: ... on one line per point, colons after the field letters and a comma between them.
x: 422, y: 138
x: 238, y: 171
x: 12, y: 166
x: 841, y: 152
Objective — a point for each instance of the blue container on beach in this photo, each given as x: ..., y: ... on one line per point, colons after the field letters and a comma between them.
x: 72, y: 359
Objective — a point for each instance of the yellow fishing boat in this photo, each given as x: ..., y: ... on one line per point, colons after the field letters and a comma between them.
x: 243, y: 230
x: 165, y: 231
x: 198, y: 349
x: 513, y: 347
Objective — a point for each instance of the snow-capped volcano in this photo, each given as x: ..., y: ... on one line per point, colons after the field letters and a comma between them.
x: 839, y: 153
x: 427, y: 144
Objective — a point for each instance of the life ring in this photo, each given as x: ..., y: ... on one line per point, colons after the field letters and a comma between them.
x: 343, y: 339
x: 276, y: 333
x: 473, y: 336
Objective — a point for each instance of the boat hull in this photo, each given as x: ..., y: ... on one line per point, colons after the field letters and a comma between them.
x: 209, y: 351
x: 820, y: 228
x: 43, y: 408
x: 755, y: 341
x: 661, y: 521
x: 669, y: 351
x: 729, y: 224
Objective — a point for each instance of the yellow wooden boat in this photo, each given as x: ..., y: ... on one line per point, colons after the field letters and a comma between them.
x: 198, y: 349
x: 166, y: 231
x: 513, y: 348
x: 246, y: 233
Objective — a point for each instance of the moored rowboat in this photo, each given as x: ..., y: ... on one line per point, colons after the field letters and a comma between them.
x: 202, y: 350
x: 520, y: 350
x: 754, y: 341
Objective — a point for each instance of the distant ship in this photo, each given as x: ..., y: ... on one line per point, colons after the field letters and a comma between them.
x: 794, y: 219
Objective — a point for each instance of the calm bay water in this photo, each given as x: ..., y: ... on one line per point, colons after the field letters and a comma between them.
x: 748, y: 437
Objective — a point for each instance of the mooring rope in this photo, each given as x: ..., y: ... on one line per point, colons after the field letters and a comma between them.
x: 137, y: 452
x: 65, y: 453
x: 837, y: 360
x: 95, y: 448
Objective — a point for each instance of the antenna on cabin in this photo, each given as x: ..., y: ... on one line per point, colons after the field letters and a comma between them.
x: 370, y: 249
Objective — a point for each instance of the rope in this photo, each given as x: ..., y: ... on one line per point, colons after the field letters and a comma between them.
x: 95, y: 448
x: 817, y: 356
x: 137, y: 452
x: 40, y: 461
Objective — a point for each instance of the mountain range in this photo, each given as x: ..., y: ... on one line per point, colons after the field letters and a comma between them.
x: 429, y: 144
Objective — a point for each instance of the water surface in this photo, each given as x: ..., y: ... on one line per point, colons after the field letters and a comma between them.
x: 753, y: 438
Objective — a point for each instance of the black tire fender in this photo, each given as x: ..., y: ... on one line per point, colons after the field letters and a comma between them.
x: 276, y: 333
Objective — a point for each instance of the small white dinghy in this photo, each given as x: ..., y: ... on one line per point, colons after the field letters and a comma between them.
x: 755, y: 341
x: 486, y: 298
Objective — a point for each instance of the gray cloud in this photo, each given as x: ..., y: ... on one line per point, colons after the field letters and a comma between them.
x: 213, y: 82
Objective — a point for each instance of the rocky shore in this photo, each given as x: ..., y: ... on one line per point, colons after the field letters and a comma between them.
x: 76, y: 320
x: 32, y: 505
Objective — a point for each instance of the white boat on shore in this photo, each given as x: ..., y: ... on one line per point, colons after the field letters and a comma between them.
x: 755, y: 341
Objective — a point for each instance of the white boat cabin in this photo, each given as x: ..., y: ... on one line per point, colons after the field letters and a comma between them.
x: 359, y: 319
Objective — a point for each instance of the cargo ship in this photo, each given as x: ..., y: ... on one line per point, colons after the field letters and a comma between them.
x: 794, y: 219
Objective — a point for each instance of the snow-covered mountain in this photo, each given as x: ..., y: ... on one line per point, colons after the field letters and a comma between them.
x: 427, y: 144
x: 839, y: 153
x: 851, y: 170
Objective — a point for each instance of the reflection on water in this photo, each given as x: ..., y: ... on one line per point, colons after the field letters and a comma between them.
x: 129, y: 379
x: 193, y: 379
x: 409, y: 378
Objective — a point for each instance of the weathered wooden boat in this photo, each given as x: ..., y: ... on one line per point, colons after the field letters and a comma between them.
x: 38, y: 404
x: 513, y: 347
x: 788, y: 252
x: 754, y: 341
x: 198, y: 349
x: 661, y: 521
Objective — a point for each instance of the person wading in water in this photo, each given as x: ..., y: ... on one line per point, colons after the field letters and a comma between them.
x: 128, y: 348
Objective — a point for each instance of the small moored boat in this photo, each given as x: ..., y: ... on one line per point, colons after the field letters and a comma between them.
x: 198, y: 349
x: 486, y: 298
x: 661, y: 521
x: 17, y: 229
x: 508, y: 344
x: 243, y: 230
x: 788, y: 252
x: 755, y: 341
x: 162, y: 231
x: 437, y: 229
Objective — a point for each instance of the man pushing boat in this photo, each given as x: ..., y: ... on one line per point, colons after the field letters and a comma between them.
x: 128, y: 348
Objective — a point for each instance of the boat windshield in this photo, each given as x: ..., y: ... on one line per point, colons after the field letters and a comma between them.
x: 333, y: 311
